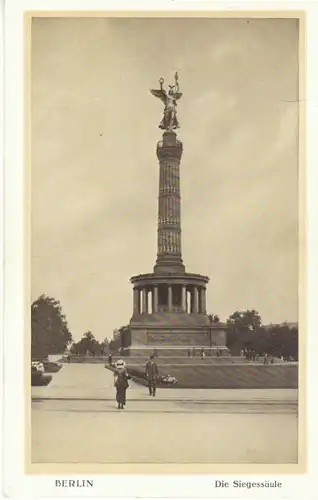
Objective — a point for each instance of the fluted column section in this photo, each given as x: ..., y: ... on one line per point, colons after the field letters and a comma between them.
x: 169, y: 152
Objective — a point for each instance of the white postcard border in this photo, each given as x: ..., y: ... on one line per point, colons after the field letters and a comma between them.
x: 19, y: 484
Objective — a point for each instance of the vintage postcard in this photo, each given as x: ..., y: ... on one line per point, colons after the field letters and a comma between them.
x: 164, y: 247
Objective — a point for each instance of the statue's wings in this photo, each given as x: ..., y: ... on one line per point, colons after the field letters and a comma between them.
x: 159, y: 93
x: 178, y: 95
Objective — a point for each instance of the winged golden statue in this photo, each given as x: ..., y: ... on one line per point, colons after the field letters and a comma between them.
x: 170, y: 98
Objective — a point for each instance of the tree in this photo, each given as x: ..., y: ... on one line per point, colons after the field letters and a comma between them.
x: 104, y: 347
x: 88, y: 343
x: 242, y: 329
x: 121, y: 339
x: 125, y: 336
x: 49, y: 328
x: 214, y: 319
x: 283, y: 341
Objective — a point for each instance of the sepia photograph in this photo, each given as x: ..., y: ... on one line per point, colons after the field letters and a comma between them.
x: 164, y: 194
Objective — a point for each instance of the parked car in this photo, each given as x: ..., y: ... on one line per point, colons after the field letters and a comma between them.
x: 38, y: 366
x: 38, y: 377
x: 51, y: 366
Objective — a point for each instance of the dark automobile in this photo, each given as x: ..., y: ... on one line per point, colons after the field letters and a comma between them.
x: 38, y: 377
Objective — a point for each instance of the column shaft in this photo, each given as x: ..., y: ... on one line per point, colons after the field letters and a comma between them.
x: 203, y: 301
x: 195, y: 300
x: 169, y: 298
x: 144, y: 300
x: 155, y: 299
x: 136, y: 301
x: 184, y: 298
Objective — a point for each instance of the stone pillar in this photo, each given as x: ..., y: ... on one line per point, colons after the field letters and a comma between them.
x: 144, y: 301
x: 155, y: 300
x: 169, y: 152
x: 202, y: 301
x: 195, y: 300
x: 183, y: 298
x: 169, y: 298
x: 136, y: 301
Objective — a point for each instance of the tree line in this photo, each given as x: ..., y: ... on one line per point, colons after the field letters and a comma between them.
x: 51, y: 335
x: 246, y: 331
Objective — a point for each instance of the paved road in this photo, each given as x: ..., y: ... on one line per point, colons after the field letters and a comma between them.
x: 75, y: 420
x: 159, y: 432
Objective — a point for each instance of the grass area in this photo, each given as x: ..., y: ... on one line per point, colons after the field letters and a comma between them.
x: 247, y: 376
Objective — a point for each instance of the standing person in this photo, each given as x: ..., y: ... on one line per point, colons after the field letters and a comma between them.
x: 110, y: 359
x: 121, y: 377
x: 152, y: 374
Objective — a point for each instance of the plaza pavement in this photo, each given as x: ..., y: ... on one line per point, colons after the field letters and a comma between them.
x: 75, y: 420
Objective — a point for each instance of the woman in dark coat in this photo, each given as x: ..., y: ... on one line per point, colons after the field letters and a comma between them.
x: 121, y: 383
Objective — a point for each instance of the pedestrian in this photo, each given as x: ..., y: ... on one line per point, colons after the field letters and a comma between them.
x: 121, y: 377
x: 110, y: 359
x: 152, y: 374
x: 69, y: 358
x: 202, y: 353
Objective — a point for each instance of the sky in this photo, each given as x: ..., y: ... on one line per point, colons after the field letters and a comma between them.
x: 94, y: 170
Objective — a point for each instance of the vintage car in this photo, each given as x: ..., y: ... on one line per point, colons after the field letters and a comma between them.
x: 38, y: 377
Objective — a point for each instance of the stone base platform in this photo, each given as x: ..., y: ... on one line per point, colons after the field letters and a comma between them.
x: 173, y: 351
x: 173, y: 334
